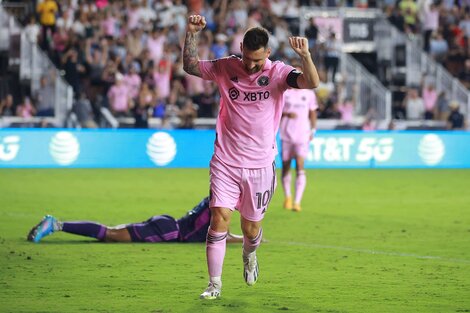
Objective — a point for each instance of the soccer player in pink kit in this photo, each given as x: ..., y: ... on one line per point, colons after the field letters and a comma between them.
x: 297, y: 129
x: 242, y: 169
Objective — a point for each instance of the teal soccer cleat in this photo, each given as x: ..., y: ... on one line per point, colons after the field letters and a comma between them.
x: 44, y: 228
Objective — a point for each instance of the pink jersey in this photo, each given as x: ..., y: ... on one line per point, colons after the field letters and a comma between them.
x: 250, y: 110
x: 300, y: 102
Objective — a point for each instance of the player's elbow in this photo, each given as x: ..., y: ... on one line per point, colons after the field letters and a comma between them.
x: 314, y: 84
x: 192, y: 69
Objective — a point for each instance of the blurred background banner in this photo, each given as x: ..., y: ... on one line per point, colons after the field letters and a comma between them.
x: 31, y: 148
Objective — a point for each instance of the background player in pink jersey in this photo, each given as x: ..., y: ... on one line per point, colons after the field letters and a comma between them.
x: 242, y: 169
x: 298, y: 126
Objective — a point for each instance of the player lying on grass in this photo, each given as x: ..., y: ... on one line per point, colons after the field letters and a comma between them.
x: 161, y: 228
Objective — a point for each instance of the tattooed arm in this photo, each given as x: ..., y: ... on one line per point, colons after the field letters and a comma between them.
x: 190, y: 58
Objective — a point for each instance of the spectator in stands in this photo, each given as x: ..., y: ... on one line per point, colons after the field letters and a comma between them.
x: 60, y: 40
x: 206, y: 102
x: 219, y: 48
x: 47, y: 11
x: 324, y: 91
x: 187, y: 114
x: 429, y: 100
x: 195, y: 86
x: 6, y: 106
x: 145, y: 105
x: 332, y: 55
x: 442, y: 106
x: 82, y: 108
x: 132, y: 80
x: 66, y: 20
x: 25, y: 109
x: 346, y: 109
x: 44, y: 97
x: 311, y: 32
x: 236, y: 39
x: 134, y: 43
x: 464, y: 24
x: 73, y: 69
x: 464, y: 74
x: 32, y: 30
x: 414, y: 105
x: 108, y: 77
x: 120, y: 101
x: 155, y: 44
x: 456, y: 120
x: 409, y: 10
x: 369, y: 124
x: 96, y: 56
x: 430, y: 23
x: 396, y: 18
x: 162, y: 79
x: 79, y: 24
x: 438, y: 46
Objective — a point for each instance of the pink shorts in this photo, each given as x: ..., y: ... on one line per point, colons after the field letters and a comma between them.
x: 290, y: 150
x: 247, y: 190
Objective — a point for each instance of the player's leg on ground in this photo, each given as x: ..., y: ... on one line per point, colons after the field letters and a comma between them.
x: 88, y: 229
x: 300, y: 183
x: 118, y: 234
x: 252, y: 235
x: 286, y: 182
x: 215, y: 250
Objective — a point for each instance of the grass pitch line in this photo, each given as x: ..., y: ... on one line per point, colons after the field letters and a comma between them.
x: 368, y: 251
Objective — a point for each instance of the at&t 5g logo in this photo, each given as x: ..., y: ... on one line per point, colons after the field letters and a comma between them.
x: 9, y: 147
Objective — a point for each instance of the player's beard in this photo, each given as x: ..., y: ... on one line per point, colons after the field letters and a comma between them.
x: 253, y: 70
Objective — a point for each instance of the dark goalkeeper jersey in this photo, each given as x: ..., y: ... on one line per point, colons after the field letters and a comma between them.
x: 194, y: 225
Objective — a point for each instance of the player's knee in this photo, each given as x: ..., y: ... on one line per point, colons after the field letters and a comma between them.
x: 117, y: 235
x: 220, y: 220
x: 110, y: 235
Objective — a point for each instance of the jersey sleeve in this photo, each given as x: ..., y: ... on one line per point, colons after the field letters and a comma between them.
x: 209, y: 69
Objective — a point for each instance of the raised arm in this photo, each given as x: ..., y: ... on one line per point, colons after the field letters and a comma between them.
x: 196, y: 23
x: 309, y: 78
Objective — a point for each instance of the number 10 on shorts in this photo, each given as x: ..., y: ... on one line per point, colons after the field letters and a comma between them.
x: 263, y: 199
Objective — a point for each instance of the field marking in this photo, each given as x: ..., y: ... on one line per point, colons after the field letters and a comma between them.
x: 369, y: 251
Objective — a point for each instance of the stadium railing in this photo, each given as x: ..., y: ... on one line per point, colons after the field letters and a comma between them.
x: 419, y: 64
x: 371, y: 97
x: 355, y: 29
x: 33, y: 64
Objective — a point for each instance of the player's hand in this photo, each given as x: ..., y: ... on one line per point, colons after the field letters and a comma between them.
x: 291, y: 115
x: 196, y: 23
x: 299, y: 45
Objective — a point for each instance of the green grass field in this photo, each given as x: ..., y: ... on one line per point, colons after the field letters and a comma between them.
x: 366, y: 241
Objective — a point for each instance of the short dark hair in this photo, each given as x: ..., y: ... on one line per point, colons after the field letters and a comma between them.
x: 256, y: 38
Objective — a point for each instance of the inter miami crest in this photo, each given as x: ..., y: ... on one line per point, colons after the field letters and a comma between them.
x: 263, y: 81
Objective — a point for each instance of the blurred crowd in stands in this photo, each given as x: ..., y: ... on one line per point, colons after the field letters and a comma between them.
x: 126, y: 55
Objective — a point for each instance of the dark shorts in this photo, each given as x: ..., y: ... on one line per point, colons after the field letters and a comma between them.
x: 162, y: 228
